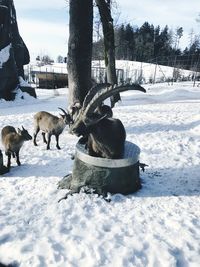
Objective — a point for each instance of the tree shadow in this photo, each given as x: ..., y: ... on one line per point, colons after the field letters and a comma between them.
x: 156, y: 182
x: 48, y: 168
x: 167, y: 182
x: 170, y: 182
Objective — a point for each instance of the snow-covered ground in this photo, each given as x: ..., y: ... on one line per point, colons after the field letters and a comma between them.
x: 146, y: 72
x: 157, y: 226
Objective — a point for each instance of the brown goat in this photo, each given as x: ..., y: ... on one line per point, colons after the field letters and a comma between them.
x: 13, y: 141
x: 51, y: 125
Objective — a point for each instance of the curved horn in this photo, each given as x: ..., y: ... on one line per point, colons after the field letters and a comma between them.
x: 23, y: 127
x: 90, y: 95
x: 99, y: 97
x: 92, y: 92
x: 105, y: 92
x: 66, y: 113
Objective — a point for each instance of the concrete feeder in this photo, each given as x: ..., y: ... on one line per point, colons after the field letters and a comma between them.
x: 104, y: 175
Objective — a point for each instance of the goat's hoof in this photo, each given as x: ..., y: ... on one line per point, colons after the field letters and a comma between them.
x: 58, y: 147
x: 19, y: 163
x: 35, y: 144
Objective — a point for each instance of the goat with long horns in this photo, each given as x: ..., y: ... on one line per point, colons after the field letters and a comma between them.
x: 105, y: 136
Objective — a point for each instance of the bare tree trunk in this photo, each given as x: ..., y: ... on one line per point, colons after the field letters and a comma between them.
x: 109, y: 44
x: 80, y: 49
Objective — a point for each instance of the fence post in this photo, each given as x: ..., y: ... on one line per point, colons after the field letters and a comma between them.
x: 154, y: 77
x: 141, y: 73
x: 173, y: 73
x: 196, y: 72
x: 46, y: 78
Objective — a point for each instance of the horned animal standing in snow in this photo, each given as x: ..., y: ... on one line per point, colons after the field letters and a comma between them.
x: 105, y: 135
x: 13, y: 141
x: 51, y: 125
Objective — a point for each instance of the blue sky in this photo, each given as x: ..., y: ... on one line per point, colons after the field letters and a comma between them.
x: 44, y: 24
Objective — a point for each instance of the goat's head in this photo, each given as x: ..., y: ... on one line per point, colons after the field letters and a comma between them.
x: 86, y: 116
x: 74, y: 109
x: 83, y: 126
x: 24, y: 133
x: 66, y: 117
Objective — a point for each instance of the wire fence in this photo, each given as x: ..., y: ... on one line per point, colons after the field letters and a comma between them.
x: 154, y: 71
x: 151, y: 72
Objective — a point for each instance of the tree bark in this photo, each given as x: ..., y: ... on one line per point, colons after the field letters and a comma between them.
x: 109, y: 44
x: 79, y: 49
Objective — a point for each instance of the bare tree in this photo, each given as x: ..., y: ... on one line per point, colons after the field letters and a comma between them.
x: 104, y: 7
x: 191, y: 37
x: 79, y: 49
x: 60, y: 59
x: 178, y: 35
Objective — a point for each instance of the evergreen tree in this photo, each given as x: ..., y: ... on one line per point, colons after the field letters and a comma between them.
x: 147, y: 37
x: 120, y: 42
x: 129, y: 42
x: 149, y: 44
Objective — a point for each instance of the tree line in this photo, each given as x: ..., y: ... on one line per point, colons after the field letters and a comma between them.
x: 150, y: 43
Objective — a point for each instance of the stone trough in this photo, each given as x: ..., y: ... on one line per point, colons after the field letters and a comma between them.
x: 104, y: 175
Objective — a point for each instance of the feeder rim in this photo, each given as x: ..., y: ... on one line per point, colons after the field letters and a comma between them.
x: 131, y: 157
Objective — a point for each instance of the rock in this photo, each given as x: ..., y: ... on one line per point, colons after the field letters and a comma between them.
x: 13, y: 51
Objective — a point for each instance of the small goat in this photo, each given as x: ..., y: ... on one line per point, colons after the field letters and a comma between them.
x: 13, y: 141
x: 50, y: 125
x: 105, y: 136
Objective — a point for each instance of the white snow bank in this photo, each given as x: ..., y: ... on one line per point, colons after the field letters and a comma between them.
x: 22, y: 82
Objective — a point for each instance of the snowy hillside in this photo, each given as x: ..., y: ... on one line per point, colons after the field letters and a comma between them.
x: 133, y: 71
x: 158, y: 226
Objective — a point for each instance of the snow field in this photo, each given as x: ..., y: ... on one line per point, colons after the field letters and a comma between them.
x: 157, y: 226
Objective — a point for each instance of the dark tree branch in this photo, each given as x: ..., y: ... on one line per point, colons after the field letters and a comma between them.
x: 109, y: 43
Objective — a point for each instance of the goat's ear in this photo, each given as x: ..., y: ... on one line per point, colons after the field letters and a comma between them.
x: 19, y: 131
